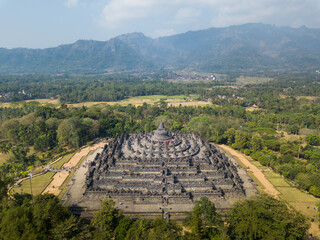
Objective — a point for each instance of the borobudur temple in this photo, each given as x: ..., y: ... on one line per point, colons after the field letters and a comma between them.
x: 158, y: 174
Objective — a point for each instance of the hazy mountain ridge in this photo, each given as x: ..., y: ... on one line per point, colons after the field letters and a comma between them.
x: 237, y: 48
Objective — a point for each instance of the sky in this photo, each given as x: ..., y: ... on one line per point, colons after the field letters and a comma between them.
x: 49, y: 23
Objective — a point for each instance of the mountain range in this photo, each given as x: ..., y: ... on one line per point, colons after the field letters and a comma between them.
x: 244, y: 48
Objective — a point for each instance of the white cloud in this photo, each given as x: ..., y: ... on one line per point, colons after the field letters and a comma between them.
x: 71, y: 3
x: 193, y: 14
x: 119, y: 11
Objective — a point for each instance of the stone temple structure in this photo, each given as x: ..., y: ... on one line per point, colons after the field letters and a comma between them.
x: 159, y: 174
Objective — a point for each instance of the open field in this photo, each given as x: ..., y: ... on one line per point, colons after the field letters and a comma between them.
x: 184, y: 100
x: 296, y: 198
x: 41, y: 101
x: 45, y: 101
x: 38, y: 184
x: 175, y: 100
x: 252, y: 80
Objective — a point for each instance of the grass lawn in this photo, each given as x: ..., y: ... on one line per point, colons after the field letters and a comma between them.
x: 39, y: 183
x: 62, y: 161
x: 278, y: 182
x: 271, y: 174
x: 292, y: 194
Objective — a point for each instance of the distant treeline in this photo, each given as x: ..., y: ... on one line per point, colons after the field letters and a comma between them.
x: 73, y: 89
x: 115, y: 87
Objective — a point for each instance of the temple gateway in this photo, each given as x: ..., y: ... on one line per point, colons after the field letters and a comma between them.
x: 158, y: 174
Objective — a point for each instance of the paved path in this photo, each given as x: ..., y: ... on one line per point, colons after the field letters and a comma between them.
x: 60, y: 177
x: 268, y: 187
x: 77, y: 186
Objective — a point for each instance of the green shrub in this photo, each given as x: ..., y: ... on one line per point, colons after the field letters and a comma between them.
x: 247, y: 152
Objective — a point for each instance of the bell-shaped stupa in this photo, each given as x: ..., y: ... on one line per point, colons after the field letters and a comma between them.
x: 161, y: 134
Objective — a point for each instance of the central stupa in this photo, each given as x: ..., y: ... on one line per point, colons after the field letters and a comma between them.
x: 161, y: 134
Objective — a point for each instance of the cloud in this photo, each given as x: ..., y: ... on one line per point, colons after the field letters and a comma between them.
x: 120, y: 11
x: 172, y: 14
x: 71, y: 3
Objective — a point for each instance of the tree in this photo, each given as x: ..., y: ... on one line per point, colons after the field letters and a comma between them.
x: 208, y: 212
x: 121, y: 230
x: 229, y: 135
x: 256, y: 142
x: 263, y: 217
x: 71, y: 132
x: 163, y: 230
x: 106, y: 220
x: 314, y: 190
x: 294, y: 129
x: 3, y: 189
x: 204, y: 220
x: 241, y: 140
x: 313, y: 139
x: 5, y: 148
x: 19, y: 153
x: 176, y: 126
x: 200, y: 125
x: 36, y: 219
x: 139, y: 230
x: 72, y: 228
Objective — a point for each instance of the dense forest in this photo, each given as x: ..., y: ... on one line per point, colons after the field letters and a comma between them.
x: 276, y: 123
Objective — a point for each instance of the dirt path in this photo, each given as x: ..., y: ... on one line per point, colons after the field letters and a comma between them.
x: 60, y: 177
x: 268, y: 187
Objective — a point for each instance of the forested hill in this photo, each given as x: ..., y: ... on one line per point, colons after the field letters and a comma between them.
x: 244, y: 48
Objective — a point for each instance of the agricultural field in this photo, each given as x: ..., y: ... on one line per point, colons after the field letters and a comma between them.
x: 252, y: 80
x: 184, y: 100
x: 176, y: 100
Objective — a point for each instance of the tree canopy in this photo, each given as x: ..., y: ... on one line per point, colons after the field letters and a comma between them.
x: 263, y: 217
